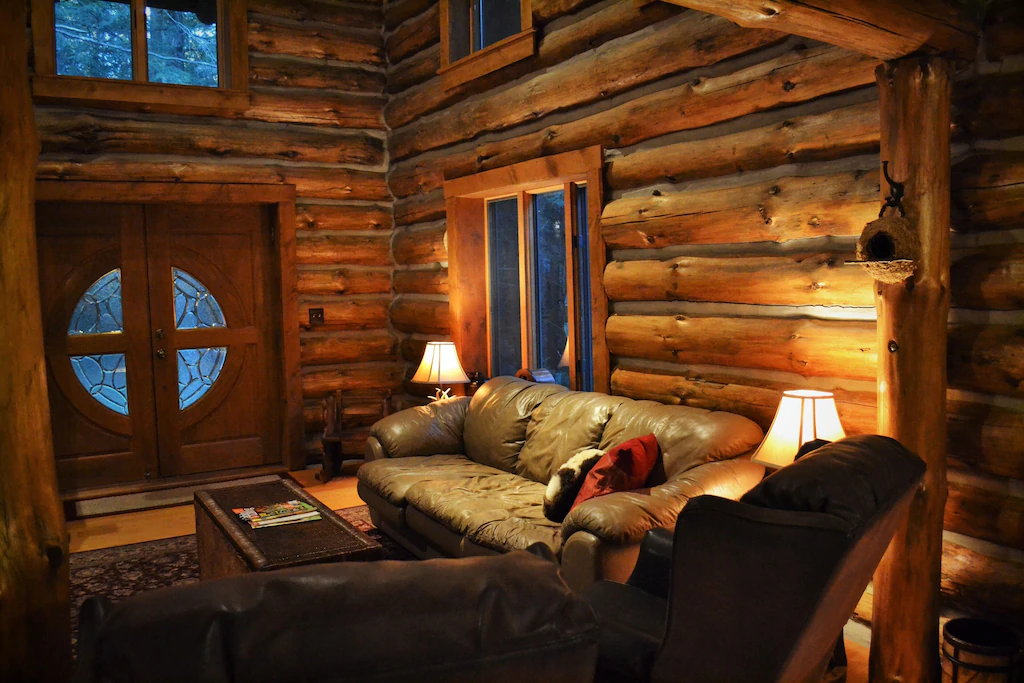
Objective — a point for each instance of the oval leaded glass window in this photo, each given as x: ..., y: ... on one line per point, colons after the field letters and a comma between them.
x: 195, y: 308
x: 98, y: 311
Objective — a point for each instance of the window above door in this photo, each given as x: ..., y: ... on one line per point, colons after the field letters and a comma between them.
x: 180, y: 56
x: 481, y: 36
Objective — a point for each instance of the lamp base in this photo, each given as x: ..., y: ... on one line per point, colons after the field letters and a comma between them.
x: 439, y: 394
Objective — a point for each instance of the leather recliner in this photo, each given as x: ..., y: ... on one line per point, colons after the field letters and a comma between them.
x: 464, y: 477
x: 758, y: 590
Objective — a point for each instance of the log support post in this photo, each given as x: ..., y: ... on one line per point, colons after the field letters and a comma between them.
x: 915, y: 119
x: 35, y: 638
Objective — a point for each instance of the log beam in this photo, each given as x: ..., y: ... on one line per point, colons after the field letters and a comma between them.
x: 35, y: 638
x: 880, y: 28
x: 915, y: 99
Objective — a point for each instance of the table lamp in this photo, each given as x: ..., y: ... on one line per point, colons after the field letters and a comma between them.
x: 803, y: 415
x: 440, y: 365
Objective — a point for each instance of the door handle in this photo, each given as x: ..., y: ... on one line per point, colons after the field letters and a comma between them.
x: 160, y: 353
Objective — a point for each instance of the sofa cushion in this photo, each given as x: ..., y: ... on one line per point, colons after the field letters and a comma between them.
x: 424, y: 430
x: 391, y: 478
x: 560, y: 427
x: 498, y: 416
x: 849, y: 480
x: 688, y: 436
x: 502, y: 512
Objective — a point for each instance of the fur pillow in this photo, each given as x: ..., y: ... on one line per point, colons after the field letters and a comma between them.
x: 566, y: 483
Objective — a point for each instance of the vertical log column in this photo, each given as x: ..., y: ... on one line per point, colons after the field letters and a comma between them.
x: 915, y: 119
x: 35, y: 639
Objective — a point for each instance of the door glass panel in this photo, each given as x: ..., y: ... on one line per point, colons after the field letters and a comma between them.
x: 505, y: 323
x: 99, y: 309
x: 181, y: 39
x: 103, y: 376
x: 198, y: 369
x: 194, y: 306
x: 93, y: 38
x: 551, y: 305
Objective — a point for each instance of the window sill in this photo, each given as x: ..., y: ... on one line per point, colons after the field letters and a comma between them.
x: 491, y: 58
x: 138, y: 97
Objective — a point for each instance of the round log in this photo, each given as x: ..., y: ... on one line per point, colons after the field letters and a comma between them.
x: 433, y: 281
x: 286, y: 72
x: 347, y: 314
x: 335, y: 217
x: 792, y: 280
x: 415, y: 247
x: 269, y: 37
x: 339, y: 248
x: 420, y: 208
x: 915, y: 99
x: 319, y: 108
x: 35, y: 633
x: 346, y: 349
x: 414, y: 35
x: 369, y: 376
x: 812, y: 348
x: 420, y: 316
x: 344, y: 281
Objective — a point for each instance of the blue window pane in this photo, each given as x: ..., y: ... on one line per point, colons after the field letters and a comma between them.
x: 550, y: 289
x: 505, y: 322
x: 198, y: 369
x: 93, y: 38
x: 194, y: 306
x: 99, y: 309
x: 182, y: 43
x: 103, y: 376
x: 495, y: 21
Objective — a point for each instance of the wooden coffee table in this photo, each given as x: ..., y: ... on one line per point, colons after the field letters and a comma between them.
x: 227, y: 546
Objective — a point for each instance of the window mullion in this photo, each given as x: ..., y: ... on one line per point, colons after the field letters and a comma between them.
x: 140, y: 51
x: 525, y: 278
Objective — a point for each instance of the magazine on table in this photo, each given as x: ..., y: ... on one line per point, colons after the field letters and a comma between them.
x: 278, y: 514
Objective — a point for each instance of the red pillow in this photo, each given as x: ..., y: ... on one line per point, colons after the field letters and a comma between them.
x: 623, y: 468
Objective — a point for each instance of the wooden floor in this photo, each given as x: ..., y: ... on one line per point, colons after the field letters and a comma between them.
x: 151, y: 525
x: 94, y: 533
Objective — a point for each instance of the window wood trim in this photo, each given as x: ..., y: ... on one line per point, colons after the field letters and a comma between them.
x: 286, y: 309
x: 465, y: 202
x: 491, y: 58
x: 231, y: 96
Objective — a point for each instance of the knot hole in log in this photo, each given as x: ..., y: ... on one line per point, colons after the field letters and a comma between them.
x: 55, y: 555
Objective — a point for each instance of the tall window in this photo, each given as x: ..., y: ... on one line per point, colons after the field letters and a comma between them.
x: 525, y: 267
x: 538, y: 284
x: 114, y: 50
x: 480, y: 36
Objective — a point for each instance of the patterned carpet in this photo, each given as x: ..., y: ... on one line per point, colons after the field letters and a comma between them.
x: 118, y: 573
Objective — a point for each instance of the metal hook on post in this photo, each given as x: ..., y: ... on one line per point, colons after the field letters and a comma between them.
x: 895, y: 198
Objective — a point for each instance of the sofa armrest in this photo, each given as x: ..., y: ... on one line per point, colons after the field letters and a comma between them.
x: 433, y: 429
x: 625, y: 517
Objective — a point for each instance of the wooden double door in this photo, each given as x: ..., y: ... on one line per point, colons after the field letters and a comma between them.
x: 161, y: 356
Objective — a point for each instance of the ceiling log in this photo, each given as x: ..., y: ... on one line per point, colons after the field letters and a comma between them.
x: 880, y: 28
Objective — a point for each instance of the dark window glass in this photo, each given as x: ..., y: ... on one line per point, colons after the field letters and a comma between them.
x: 503, y: 248
x: 584, y: 347
x: 93, y: 38
x: 495, y: 20
x: 550, y: 287
x: 181, y: 38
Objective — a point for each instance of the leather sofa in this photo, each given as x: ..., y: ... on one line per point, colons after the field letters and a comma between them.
x: 501, y: 619
x: 463, y: 477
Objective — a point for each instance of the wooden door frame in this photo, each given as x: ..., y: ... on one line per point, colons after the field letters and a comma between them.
x: 282, y: 198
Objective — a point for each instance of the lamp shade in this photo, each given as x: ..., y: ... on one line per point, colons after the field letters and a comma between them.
x: 803, y: 415
x: 440, y: 365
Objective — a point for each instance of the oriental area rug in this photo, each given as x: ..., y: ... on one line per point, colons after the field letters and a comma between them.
x: 118, y: 573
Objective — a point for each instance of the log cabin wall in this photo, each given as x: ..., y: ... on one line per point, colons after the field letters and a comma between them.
x: 316, y: 74
x: 741, y: 165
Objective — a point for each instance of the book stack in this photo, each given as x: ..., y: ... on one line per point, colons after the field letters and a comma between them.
x: 278, y: 514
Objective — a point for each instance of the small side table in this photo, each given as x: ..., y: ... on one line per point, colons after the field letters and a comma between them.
x: 332, y: 440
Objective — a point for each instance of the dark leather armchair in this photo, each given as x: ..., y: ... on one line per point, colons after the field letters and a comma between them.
x: 498, y: 619
x: 759, y: 589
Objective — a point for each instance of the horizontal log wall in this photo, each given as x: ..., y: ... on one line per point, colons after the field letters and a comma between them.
x: 317, y: 85
x: 741, y: 165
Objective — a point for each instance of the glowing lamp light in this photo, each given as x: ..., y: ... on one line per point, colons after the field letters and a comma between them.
x: 803, y: 415
x: 440, y: 365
